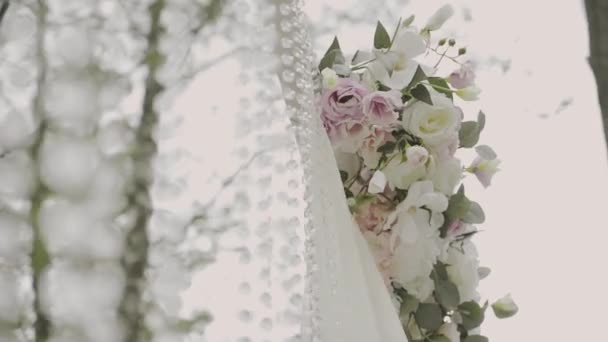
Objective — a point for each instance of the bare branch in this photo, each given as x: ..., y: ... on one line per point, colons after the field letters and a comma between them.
x: 3, y: 9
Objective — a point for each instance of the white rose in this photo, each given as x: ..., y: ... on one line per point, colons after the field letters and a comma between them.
x: 450, y: 330
x: 439, y: 18
x: 433, y: 124
x: 462, y: 270
x: 417, y: 155
x: 402, y: 174
x: 445, y: 174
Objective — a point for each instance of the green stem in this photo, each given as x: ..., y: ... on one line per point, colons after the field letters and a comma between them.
x: 39, y: 258
x: 135, y: 260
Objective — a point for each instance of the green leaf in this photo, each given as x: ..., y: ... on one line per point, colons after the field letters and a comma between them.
x: 475, y: 214
x: 348, y: 193
x: 476, y: 338
x: 429, y: 316
x: 332, y: 56
x: 343, y: 176
x: 481, y: 120
x: 472, y: 315
x: 439, y: 338
x: 447, y: 294
x: 410, y: 304
x: 382, y: 40
x: 442, y: 85
x: 458, y: 205
x: 441, y: 271
x: 420, y: 93
x: 419, y: 76
x: 387, y: 148
x: 471, y: 130
x: 469, y: 134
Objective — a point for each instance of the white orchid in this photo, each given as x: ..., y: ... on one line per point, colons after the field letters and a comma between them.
x: 415, y: 237
x: 396, y: 68
x: 420, y: 211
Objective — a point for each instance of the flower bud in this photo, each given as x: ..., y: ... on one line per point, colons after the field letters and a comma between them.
x: 439, y: 18
x: 442, y: 42
x: 505, y: 307
x: 452, y: 42
x: 462, y: 51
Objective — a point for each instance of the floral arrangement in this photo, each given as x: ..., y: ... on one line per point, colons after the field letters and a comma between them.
x: 396, y: 127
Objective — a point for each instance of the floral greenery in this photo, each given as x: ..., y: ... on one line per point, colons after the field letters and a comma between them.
x: 395, y: 127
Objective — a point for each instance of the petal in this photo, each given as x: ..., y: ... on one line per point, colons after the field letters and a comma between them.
x: 409, y: 44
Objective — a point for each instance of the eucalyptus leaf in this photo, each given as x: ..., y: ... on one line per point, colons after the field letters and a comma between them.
x: 475, y: 214
x: 472, y: 315
x: 486, y: 152
x: 476, y: 338
x: 429, y: 316
x: 447, y: 294
x: 410, y: 304
x: 420, y: 93
x: 481, y: 120
x: 469, y: 134
x: 470, y: 131
x: 483, y: 272
x: 458, y: 205
x: 382, y: 40
x: 441, y: 270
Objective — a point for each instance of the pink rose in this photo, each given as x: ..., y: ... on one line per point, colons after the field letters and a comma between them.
x: 380, y: 107
x: 371, y: 216
x: 463, y: 77
x: 346, y: 137
x: 342, y: 104
x: 369, y: 148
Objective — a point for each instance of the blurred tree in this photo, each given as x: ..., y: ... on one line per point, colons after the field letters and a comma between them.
x: 597, y: 14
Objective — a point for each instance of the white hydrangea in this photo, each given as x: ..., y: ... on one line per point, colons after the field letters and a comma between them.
x: 68, y: 164
x: 16, y: 239
x: 17, y: 179
x: 69, y: 229
x: 81, y: 295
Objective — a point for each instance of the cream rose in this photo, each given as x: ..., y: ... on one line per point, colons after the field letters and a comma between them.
x: 433, y: 124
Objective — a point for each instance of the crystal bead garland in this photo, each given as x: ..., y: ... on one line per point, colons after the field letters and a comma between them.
x: 296, y: 56
x: 18, y: 72
x: 85, y: 168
